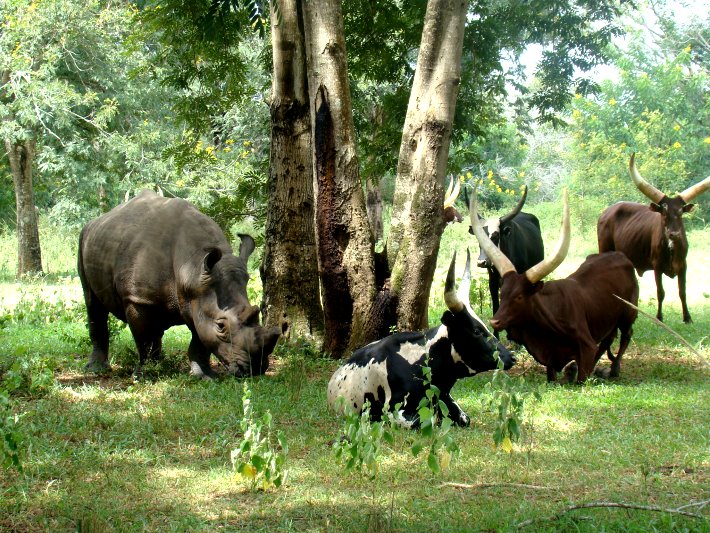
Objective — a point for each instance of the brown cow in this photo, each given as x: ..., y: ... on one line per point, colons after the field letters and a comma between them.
x: 652, y: 237
x: 451, y: 214
x: 571, y: 319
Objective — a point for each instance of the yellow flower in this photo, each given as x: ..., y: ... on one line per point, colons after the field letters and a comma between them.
x: 576, y: 113
x: 687, y: 49
x: 612, y: 101
x: 499, y: 189
x: 469, y: 175
x: 521, y: 174
x: 490, y: 174
x: 676, y: 144
x: 676, y: 127
x: 577, y: 96
x: 229, y: 141
x: 706, y: 140
x: 227, y: 149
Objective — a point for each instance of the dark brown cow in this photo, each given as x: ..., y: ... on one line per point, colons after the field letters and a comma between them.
x: 572, y: 319
x: 653, y: 236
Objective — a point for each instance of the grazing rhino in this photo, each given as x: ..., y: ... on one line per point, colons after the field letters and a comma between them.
x: 157, y: 262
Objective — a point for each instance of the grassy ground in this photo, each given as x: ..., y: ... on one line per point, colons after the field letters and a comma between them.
x: 103, y: 454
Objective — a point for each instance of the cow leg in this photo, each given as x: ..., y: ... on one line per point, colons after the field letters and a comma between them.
x: 624, y: 340
x: 660, y: 293
x: 551, y: 374
x: 199, y: 359
x: 681, y: 293
x: 98, y: 333
x: 586, y: 361
x: 455, y: 413
x: 494, y: 289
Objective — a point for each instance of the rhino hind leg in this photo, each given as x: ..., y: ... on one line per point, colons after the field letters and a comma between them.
x: 199, y: 359
x: 99, y: 335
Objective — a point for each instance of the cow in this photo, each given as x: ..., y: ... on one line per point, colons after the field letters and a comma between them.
x: 652, y: 236
x: 389, y: 372
x: 571, y: 319
x: 518, y: 236
x: 157, y: 262
x: 451, y: 214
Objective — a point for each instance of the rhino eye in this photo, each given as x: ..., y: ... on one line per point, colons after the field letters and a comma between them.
x: 221, y: 326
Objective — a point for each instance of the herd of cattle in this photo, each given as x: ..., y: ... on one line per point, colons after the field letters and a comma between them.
x: 155, y: 275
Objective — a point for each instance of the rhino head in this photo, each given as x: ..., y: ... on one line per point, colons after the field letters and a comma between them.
x: 225, y: 322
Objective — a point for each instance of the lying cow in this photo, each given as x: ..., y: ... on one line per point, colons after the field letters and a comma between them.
x: 389, y: 371
x: 155, y: 263
x: 564, y: 320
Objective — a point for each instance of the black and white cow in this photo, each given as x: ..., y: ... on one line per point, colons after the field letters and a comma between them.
x: 389, y: 371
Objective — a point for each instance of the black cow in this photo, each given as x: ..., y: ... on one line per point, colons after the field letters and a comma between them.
x: 389, y: 371
x: 518, y: 236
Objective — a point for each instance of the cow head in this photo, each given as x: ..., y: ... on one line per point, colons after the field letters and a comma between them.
x: 471, y: 341
x: 671, y: 209
x: 225, y: 321
x: 450, y: 212
x: 498, y: 229
x: 517, y: 288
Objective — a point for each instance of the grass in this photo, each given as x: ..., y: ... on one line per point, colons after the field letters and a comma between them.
x: 107, y: 454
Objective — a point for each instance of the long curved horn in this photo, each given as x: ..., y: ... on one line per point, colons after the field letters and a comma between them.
x: 498, y: 259
x: 518, y: 208
x: 694, y: 190
x: 452, y: 300
x: 452, y: 192
x: 642, y: 185
x: 536, y: 272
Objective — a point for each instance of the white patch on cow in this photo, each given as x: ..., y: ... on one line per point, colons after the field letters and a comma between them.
x: 456, y: 357
x: 492, y: 225
x: 477, y: 318
x: 353, y: 382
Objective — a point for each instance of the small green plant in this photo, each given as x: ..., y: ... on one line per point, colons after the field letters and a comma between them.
x: 257, y: 459
x: 9, y: 434
x: 435, y: 426
x: 361, y: 444
x: 27, y: 373
x: 506, y: 396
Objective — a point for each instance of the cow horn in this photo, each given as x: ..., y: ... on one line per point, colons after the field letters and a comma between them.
x: 452, y: 192
x: 642, y: 185
x: 694, y: 190
x: 453, y: 302
x: 543, y: 268
x: 518, y: 208
x: 500, y: 261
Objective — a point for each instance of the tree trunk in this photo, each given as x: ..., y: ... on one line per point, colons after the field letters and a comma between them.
x: 417, y: 213
x: 290, y: 268
x: 29, y: 256
x: 345, y: 247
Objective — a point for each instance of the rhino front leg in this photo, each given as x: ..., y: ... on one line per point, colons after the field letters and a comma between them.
x: 98, y: 333
x: 199, y: 359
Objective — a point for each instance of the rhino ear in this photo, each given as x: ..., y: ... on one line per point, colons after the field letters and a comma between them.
x: 210, y: 260
x: 246, y: 246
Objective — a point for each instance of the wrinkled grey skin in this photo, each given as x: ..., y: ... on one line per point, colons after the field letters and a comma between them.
x: 157, y: 262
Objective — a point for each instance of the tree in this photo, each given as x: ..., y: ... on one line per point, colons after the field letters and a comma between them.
x: 290, y: 266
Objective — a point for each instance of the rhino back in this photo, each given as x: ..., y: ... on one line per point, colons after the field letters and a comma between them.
x: 134, y: 252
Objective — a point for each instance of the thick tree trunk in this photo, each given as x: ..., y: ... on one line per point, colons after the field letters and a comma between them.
x: 345, y: 248
x: 29, y: 256
x: 417, y: 222
x: 290, y: 268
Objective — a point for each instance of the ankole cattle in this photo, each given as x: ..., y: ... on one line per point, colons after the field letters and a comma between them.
x: 388, y: 372
x: 518, y: 236
x: 652, y: 236
x: 572, y: 319
x: 451, y: 214
x: 157, y: 262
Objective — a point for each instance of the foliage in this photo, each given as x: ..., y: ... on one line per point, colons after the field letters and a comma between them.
x: 10, y: 434
x: 659, y: 108
x: 257, y: 459
x: 360, y: 446
x: 506, y: 398
x: 435, y: 427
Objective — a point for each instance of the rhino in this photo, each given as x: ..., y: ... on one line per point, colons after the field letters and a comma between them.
x: 157, y: 262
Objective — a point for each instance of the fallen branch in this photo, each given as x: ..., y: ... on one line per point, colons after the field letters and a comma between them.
x: 593, y: 505
x: 492, y: 485
x: 659, y: 323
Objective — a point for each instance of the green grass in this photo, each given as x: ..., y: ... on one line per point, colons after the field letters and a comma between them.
x: 103, y: 454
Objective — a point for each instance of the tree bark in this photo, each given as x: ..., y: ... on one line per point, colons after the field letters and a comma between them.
x: 417, y: 222
x: 345, y: 247
x: 29, y: 255
x: 290, y: 266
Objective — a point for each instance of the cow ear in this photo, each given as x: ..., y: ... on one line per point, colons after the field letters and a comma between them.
x: 506, y: 230
x: 687, y: 208
x: 655, y: 208
x: 537, y: 287
x: 211, y: 259
x: 447, y: 318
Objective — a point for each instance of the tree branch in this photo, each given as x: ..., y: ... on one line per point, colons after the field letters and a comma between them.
x: 592, y: 505
x: 492, y: 485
